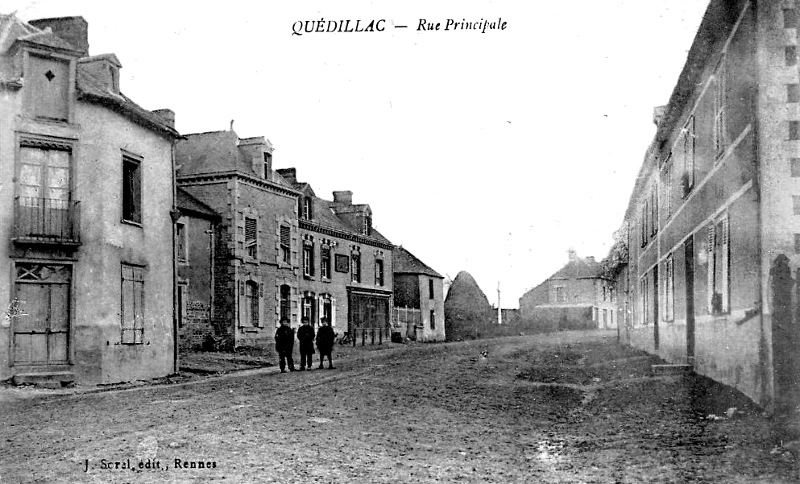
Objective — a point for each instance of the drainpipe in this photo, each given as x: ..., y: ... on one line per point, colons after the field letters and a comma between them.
x: 174, y: 215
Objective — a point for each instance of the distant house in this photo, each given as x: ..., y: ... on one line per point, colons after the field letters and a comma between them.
x: 578, y: 296
x: 419, y: 288
x: 87, y: 280
x: 345, y: 263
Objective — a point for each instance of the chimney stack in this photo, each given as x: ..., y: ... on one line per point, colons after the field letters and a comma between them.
x: 343, y: 197
x: 74, y: 30
x: 167, y: 115
x: 290, y: 174
x: 573, y: 254
x: 658, y: 114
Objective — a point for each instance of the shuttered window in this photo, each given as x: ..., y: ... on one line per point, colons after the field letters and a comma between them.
x: 250, y: 237
x: 718, y: 246
x: 132, y: 304
x: 285, y: 243
x: 131, y: 190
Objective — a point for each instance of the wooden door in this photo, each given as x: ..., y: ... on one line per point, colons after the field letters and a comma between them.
x: 41, y: 318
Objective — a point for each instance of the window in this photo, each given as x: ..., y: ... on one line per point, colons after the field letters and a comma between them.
x: 645, y: 300
x: 251, y: 303
x: 182, y: 241
x: 433, y: 319
x: 132, y: 304
x: 796, y: 204
x: 285, y: 309
x: 561, y: 295
x: 795, y: 167
x: 131, y: 190
x: 355, y: 267
x: 308, y: 259
x: 250, y: 237
x: 267, y: 165
x: 789, y: 18
x: 605, y: 295
x: 688, y: 157
x: 327, y: 310
x: 791, y: 55
x: 430, y: 289
x: 306, y: 208
x: 605, y: 317
x: 669, y: 289
x: 653, y: 212
x: 643, y: 224
x: 719, y: 108
x: 367, y: 229
x: 794, y: 130
x: 308, y: 309
x: 378, y: 272
x: 719, y: 266
x: 797, y: 243
x: 325, y: 262
x: 667, y: 182
x: 792, y: 93
x: 285, y: 243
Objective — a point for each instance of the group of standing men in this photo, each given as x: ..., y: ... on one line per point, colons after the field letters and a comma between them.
x: 284, y: 344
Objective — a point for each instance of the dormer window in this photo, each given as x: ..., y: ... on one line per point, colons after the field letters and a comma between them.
x: 113, y: 75
x: 47, y: 83
x: 267, y: 164
x: 367, y: 229
x: 307, y: 209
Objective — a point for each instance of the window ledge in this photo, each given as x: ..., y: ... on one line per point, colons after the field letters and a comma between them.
x: 131, y: 222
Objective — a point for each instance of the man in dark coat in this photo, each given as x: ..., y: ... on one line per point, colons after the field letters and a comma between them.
x: 305, y: 335
x: 284, y: 343
x: 325, y: 337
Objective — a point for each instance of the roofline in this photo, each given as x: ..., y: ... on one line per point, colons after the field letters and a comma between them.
x: 121, y: 108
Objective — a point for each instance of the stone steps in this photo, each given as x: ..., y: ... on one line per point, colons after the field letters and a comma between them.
x: 45, y: 379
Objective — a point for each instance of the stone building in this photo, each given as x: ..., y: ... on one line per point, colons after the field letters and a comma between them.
x: 195, y: 240
x: 87, y: 269
x: 418, y: 287
x: 714, y: 217
x: 346, y: 265
x: 256, y: 243
x: 578, y: 296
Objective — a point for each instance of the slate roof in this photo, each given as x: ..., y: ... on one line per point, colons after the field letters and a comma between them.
x: 324, y: 216
x: 91, y: 89
x: 404, y: 262
x: 579, y: 268
x: 188, y: 204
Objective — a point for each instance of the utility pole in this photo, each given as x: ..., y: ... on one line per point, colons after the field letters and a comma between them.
x: 499, y: 308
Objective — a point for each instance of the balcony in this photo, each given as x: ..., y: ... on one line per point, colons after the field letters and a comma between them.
x: 46, y: 221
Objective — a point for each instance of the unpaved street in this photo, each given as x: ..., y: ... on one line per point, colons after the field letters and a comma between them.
x: 568, y: 407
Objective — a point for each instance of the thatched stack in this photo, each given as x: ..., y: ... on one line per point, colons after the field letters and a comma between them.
x: 467, y: 311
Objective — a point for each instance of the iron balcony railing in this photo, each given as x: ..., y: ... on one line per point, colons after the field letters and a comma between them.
x: 46, y: 221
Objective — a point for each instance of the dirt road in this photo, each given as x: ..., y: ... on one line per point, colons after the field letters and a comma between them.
x: 568, y: 407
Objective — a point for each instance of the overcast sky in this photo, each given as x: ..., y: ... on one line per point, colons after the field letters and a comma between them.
x: 489, y: 152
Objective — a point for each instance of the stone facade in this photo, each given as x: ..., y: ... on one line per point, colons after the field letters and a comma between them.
x: 714, y: 215
x: 417, y: 286
x: 578, y: 296
x: 88, y: 274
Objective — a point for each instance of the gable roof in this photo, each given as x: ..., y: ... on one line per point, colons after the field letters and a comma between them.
x: 189, y: 205
x: 91, y: 89
x: 579, y: 268
x: 404, y: 262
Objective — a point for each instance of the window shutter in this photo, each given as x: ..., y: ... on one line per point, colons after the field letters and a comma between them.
x: 725, y: 264
x: 710, y: 245
x: 285, y: 235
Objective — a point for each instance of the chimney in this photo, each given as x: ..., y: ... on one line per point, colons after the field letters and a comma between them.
x: 343, y: 197
x: 105, y: 68
x: 167, y: 115
x: 573, y: 254
x: 74, y: 30
x: 290, y: 174
x: 658, y: 114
